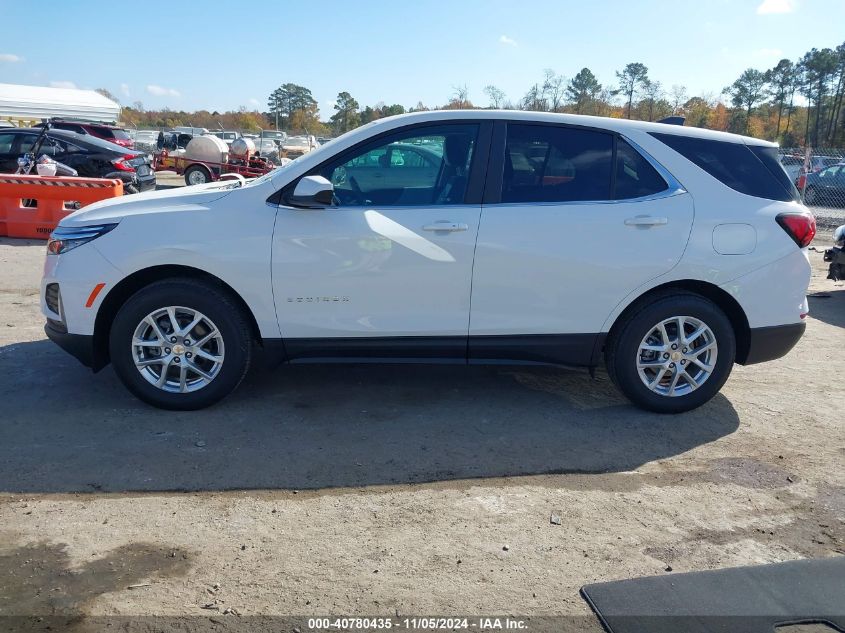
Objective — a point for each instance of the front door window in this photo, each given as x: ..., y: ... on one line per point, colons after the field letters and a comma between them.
x: 418, y: 167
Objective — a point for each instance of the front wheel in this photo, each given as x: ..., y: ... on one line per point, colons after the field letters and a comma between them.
x: 180, y: 344
x: 673, y: 354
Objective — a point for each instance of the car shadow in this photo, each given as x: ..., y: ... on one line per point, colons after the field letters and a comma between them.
x: 828, y: 305
x: 310, y: 426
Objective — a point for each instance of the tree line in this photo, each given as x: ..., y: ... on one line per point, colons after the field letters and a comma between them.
x: 795, y: 102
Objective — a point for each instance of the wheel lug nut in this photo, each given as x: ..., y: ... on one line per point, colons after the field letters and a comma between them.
x: 665, y: 355
x: 189, y: 354
x: 674, y: 346
x: 188, y: 342
x: 683, y: 362
x: 166, y: 350
x: 172, y: 339
x: 176, y: 360
x: 671, y: 365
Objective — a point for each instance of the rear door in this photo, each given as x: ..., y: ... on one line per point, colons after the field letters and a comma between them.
x: 574, y: 220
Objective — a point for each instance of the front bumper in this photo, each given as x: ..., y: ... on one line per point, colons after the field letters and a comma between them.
x: 769, y: 343
x: 80, y: 346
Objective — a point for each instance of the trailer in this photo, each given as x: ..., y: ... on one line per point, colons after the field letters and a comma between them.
x: 207, y: 159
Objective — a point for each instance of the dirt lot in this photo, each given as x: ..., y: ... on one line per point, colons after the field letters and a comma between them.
x: 397, y: 490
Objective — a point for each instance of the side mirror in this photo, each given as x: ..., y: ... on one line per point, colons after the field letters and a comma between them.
x: 312, y: 192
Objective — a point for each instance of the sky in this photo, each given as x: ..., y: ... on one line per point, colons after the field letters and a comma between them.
x: 219, y: 55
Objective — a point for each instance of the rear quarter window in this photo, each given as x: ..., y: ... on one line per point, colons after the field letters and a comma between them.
x: 754, y: 171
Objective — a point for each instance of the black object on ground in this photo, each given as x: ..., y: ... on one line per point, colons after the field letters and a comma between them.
x: 756, y: 599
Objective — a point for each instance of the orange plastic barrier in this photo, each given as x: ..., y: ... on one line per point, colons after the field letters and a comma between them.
x: 53, y: 197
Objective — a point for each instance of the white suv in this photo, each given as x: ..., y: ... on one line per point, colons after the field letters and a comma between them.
x: 666, y: 252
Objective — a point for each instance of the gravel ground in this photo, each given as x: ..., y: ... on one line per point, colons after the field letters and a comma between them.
x: 828, y: 218
x: 372, y: 490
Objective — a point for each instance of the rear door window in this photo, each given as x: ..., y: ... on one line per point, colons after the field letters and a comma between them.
x: 49, y: 146
x: 545, y: 163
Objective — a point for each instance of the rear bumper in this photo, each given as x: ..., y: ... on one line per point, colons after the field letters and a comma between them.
x: 80, y: 346
x: 769, y: 343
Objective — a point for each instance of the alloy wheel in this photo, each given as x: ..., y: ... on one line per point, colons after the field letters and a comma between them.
x: 177, y: 349
x: 677, y: 356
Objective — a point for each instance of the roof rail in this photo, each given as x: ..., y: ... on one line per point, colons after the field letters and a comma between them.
x: 673, y: 120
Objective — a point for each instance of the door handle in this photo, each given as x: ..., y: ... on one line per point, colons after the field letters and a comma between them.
x: 646, y: 220
x: 444, y: 225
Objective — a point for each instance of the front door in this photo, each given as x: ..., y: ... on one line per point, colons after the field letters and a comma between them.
x: 387, y: 270
x: 581, y: 220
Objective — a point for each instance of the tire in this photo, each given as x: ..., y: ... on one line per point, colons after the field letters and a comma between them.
x: 630, y: 366
x: 810, y: 196
x: 197, y: 373
x: 130, y: 189
x: 197, y: 175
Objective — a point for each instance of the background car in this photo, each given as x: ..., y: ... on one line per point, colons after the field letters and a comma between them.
x: 92, y: 157
x: 826, y: 186
x: 193, y: 131
x: 107, y: 132
x: 276, y: 135
x: 267, y: 148
x: 294, y: 146
x: 793, y: 165
x: 226, y: 135
x: 146, y: 141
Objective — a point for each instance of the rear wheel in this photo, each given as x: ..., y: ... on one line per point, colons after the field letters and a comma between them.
x: 197, y: 175
x: 180, y: 344
x: 810, y: 195
x: 673, y: 354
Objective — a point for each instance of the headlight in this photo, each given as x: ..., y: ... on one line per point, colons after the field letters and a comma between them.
x: 64, y: 239
x: 839, y: 236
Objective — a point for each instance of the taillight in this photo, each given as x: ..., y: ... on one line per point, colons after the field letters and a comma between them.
x: 801, y: 227
x: 122, y: 163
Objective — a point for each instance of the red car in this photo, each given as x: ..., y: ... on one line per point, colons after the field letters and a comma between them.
x: 110, y: 133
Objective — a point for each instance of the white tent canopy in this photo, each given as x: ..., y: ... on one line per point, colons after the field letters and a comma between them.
x: 33, y: 103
